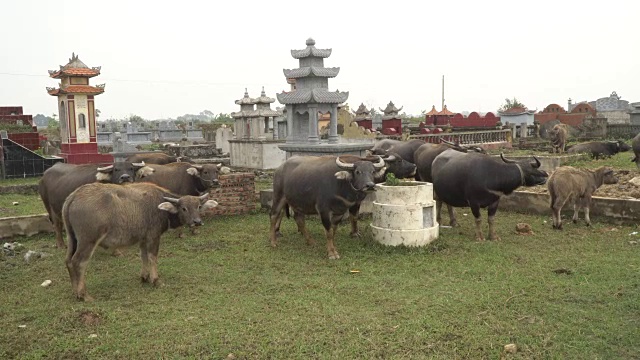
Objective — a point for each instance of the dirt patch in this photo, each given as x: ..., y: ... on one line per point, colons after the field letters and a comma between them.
x: 622, y: 190
x: 90, y: 318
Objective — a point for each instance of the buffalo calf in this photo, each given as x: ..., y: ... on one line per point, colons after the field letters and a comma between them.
x: 115, y: 216
x: 576, y: 185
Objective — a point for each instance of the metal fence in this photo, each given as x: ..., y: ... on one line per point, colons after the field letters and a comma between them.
x: 16, y: 161
x: 467, y: 137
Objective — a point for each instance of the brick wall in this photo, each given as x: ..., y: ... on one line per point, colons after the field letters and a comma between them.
x: 29, y: 140
x: 235, y: 195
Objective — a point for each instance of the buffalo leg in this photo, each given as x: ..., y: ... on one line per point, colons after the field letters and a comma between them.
x: 152, y: 248
x: 438, y: 211
x: 57, y: 226
x: 452, y: 216
x: 276, y: 217
x: 330, y: 230
x: 353, y: 219
x: 491, y: 212
x: 77, y: 266
x: 586, y: 203
x: 576, y: 210
x: 302, y: 227
x: 476, y: 214
x: 556, y: 208
x: 144, y: 256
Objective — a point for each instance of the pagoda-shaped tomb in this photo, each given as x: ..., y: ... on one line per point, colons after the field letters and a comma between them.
x: 77, y: 112
x: 308, y: 98
x: 255, y: 145
x: 363, y: 117
x: 391, y: 121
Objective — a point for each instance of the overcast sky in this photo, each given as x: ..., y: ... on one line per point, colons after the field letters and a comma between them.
x: 163, y: 59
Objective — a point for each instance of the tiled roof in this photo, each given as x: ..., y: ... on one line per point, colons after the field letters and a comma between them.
x: 311, y: 51
x: 77, y: 89
x: 56, y: 74
x: 446, y: 111
x: 391, y: 109
x: 362, y: 113
x: 246, y: 100
x: 433, y: 111
x: 308, y: 70
x: 317, y: 95
x: 264, y: 99
x: 246, y: 113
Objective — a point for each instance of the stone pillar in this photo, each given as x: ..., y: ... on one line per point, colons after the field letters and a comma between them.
x: 514, y: 131
x: 523, y: 130
x: 275, y: 129
x: 333, y: 126
x: 313, y: 124
x: 290, y: 110
x: 262, y: 123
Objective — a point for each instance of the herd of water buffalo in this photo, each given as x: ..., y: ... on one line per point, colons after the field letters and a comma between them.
x: 95, y: 208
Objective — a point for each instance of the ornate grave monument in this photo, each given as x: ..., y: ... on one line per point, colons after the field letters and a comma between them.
x: 77, y: 112
x: 363, y: 117
x: 310, y: 96
x: 254, y: 145
x: 391, y: 122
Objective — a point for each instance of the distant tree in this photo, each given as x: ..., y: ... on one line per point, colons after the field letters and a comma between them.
x: 223, y: 118
x: 510, y: 103
x: 98, y: 113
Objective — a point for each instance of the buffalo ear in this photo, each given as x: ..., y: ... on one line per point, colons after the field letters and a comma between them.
x: 343, y: 175
x: 210, y: 204
x: 167, y: 206
x: 192, y: 171
x: 144, y: 171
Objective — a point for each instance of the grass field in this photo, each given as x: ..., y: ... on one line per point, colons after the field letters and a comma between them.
x: 559, y: 295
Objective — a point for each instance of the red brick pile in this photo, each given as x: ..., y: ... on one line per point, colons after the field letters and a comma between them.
x: 235, y: 195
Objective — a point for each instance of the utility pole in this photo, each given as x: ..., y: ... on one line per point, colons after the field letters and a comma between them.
x: 442, y: 108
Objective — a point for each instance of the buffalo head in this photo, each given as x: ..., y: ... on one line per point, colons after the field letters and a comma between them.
x: 608, y: 176
x: 530, y: 174
x: 206, y: 173
x: 121, y: 172
x: 188, y: 208
x: 622, y: 146
x: 360, y: 174
x: 398, y: 166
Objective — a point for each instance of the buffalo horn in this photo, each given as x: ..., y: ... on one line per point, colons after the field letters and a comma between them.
x: 343, y: 165
x: 171, y: 200
x: 506, y: 160
x: 380, y: 164
x: 390, y: 158
x: 204, y: 197
x: 537, y: 162
x: 105, y: 168
x: 140, y: 164
x: 442, y: 140
x: 199, y: 167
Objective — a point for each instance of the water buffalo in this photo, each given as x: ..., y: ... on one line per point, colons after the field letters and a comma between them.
x: 157, y: 158
x: 599, y: 149
x: 183, y: 178
x: 576, y: 185
x: 405, y: 149
x: 62, y: 179
x: 478, y: 181
x: 324, y: 185
x: 635, y: 144
x: 117, y: 216
x: 424, y: 157
x: 558, y: 137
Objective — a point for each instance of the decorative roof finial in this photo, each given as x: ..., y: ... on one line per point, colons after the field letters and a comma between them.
x: 246, y: 93
x: 311, y: 42
x: 263, y: 93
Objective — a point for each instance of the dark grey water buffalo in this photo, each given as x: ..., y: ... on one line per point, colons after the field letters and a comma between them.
x: 478, y: 181
x: 157, y: 158
x: 117, y: 216
x: 62, y: 179
x: 635, y: 144
x: 424, y: 157
x: 183, y: 178
x: 405, y: 149
x: 577, y: 186
x: 599, y: 149
x: 324, y: 185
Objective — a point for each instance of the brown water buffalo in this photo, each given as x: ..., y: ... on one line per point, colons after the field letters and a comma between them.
x: 324, y: 185
x: 599, y: 149
x: 157, y: 158
x: 62, y: 179
x: 635, y: 144
x: 576, y: 185
x: 117, y: 216
x: 183, y: 178
x: 479, y: 180
x: 558, y: 137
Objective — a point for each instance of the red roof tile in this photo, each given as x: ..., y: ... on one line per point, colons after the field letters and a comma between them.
x: 77, y: 89
x: 75, y: 72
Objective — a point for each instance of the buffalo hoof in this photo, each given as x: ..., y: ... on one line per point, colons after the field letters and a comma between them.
x: 557, y: 227
x: 195, y: 231
x: 355, y: 234
x: 479, y: 238
x: 85, y: 298
x: 334, y: 256
x: 454, y: 224
x: 144, y: 278
x: 588, y: 224
x: 575, y: 221
x: 157, y: 283
x: 495, y: 238
x: 278, y: 234
x: 117, y: 253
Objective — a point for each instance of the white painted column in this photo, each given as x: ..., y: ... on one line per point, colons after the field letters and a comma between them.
x: 333, y: 126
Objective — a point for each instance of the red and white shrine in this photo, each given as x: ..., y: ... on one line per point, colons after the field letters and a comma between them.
x: 77, y: 112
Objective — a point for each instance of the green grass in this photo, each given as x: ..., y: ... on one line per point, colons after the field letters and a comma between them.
x: 621, y: 161
x: 27, y: 205
x: 226, y: 291
x: 19, y: 181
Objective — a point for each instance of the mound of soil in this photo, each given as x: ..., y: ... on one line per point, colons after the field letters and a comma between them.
x: 622, y: 190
